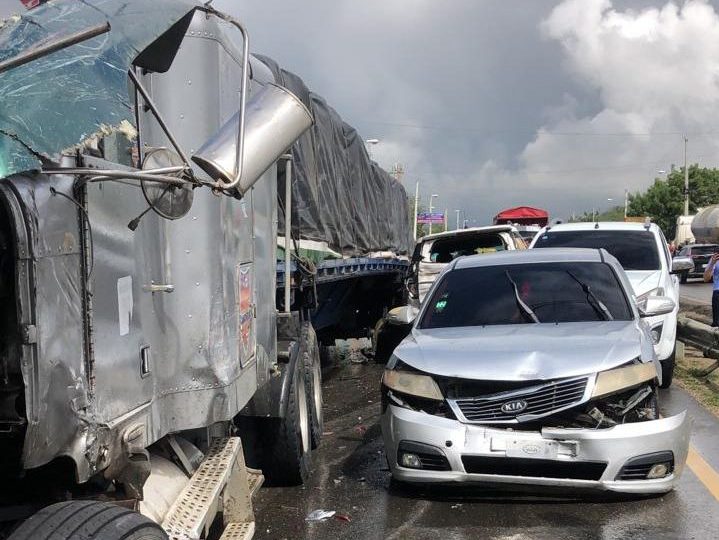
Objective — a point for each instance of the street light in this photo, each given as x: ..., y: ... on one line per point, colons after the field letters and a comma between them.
x: 431, y: 198
x: 371, y: 142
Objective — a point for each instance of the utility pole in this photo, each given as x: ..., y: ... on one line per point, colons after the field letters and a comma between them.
x: 445, y: 219
x: 686, y: 179
x: 458, y: 211
x: 431, y: 198
x: 626, y: 203
x: 416, y: 206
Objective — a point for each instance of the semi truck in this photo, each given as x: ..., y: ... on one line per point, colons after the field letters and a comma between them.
x: 165, y: 301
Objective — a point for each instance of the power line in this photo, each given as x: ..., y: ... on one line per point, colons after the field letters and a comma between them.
x: 543, y: 132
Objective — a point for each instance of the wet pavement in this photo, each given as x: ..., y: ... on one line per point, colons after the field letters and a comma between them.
x: 350, y: 476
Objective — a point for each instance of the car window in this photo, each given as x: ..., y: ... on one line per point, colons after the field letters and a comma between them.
x: 635, y: 250
x: 445, y: 250
x: 554, y: 292
x: 684, y: 251
x: 701, y: 250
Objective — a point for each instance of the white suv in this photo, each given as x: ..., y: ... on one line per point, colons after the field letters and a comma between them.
x: 642, y: 251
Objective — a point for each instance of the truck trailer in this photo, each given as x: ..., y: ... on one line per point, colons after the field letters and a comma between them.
x: 158, y: 332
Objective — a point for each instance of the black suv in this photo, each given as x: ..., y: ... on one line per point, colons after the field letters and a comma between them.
x: 700, y: 255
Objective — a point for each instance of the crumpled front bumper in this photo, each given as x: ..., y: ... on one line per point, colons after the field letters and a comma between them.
x: 574, y: 447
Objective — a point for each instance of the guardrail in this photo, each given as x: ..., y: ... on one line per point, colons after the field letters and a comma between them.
x: 700, y: 336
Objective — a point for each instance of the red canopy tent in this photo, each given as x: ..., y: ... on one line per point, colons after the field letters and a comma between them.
x: 523, y: 215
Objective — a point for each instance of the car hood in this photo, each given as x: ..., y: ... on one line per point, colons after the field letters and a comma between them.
x: 522, y: 351
x: 644, y: 280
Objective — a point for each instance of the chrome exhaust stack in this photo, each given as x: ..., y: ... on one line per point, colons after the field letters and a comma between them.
x: 274, y: 120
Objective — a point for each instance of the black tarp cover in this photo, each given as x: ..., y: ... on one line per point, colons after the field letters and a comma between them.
x: 339, y: 195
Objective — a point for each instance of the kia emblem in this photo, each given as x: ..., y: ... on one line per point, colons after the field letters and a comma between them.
x: 514, y: 407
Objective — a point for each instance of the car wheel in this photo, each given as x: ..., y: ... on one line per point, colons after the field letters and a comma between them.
x: 668, y: 369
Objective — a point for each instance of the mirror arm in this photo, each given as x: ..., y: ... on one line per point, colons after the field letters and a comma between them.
x: 156, y: 113
x: 103, y: 174
x: 240, y: 146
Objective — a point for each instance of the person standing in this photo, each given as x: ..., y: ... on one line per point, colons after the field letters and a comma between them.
x: 712, y: 274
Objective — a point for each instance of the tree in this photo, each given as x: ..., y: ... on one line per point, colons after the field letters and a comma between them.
x: 664, y: 200
x: 613, y: 214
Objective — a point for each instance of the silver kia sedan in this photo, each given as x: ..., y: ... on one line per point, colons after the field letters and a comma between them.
x: 532, y: 367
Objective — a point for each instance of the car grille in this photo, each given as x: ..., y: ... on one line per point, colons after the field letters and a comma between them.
x: 540, y: 400
x: 535, y: 468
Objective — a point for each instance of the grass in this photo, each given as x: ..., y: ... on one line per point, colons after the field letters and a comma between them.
x: 704, y: 389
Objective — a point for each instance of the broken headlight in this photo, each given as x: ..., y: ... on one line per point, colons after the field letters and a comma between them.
x: 406, y: 387
x: 614, y: 380
x: 411, y: 383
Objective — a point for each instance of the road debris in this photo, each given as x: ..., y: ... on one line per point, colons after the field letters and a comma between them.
x: 320, y: 515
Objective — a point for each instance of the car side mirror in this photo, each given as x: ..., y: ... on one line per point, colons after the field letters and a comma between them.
x: 656, y: 305
x: 402, y: 315
x: 682, y: 264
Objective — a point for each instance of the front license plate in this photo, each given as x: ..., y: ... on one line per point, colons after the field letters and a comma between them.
x: 532, y: 449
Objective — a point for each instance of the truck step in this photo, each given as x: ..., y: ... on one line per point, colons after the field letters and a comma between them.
x: 239, y: 531
x: 192, y: 513
x: 255, y: 479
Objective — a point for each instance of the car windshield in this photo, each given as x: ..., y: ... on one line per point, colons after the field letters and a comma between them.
x: 527, y: 294
x: 703, y: 250
x: 444, y: 250
x: 635, y: 250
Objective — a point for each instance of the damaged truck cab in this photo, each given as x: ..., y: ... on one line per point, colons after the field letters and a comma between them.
x: 138, y: 250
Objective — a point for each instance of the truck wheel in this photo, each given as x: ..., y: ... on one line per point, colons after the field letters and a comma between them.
x: 82, y: 520
x: 288, y: 440
x: 668, y: 369
x: 313, y: 381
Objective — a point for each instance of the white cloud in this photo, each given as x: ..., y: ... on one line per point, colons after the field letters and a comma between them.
x: 656, y: 72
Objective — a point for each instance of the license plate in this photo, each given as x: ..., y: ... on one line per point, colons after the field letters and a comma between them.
x: 519, y: 448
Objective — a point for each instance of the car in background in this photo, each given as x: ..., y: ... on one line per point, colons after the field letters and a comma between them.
x: 700, y: 254
x: 642, y: 250
x: 533, y: 367
x: 432, y: 254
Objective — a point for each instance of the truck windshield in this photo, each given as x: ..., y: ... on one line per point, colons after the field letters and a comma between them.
x: 635, y: 250
x: 444, y: 250
x: 527, y: 294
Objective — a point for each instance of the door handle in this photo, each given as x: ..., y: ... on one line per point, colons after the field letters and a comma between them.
x: 158, y: 287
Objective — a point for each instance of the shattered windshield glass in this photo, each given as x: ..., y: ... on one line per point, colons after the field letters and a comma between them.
x: 60, y: 100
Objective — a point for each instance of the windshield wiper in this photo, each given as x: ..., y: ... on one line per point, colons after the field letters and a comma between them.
x: 592, y: 299
x: 524, y: 308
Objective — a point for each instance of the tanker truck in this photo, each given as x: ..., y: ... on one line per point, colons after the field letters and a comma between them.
x: 159, y: 341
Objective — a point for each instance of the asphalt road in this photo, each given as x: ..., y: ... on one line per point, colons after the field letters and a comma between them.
x: 350, y: 476
x: 697, y: 291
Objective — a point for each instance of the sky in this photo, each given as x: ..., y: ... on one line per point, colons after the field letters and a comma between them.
x: 496, y: 103
x: 561, y: 104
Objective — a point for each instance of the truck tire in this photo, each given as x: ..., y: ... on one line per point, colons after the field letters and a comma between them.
x: 313, y: 381
x: 668, y: 369
x: 85, y: 520
x: 288, y: 440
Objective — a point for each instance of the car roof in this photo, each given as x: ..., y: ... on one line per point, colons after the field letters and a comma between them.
x: 531, y: 256
x: 459, y: 232
x: 603, y: 225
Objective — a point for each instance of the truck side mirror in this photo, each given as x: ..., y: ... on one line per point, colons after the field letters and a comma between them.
x: 274, y: 119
